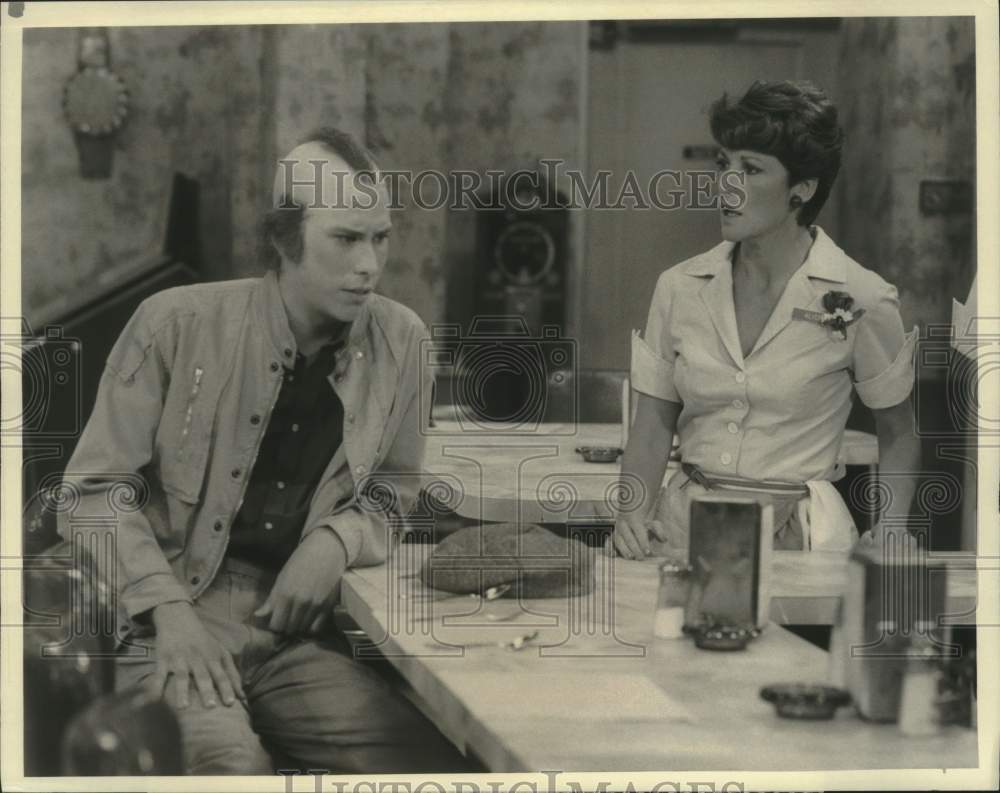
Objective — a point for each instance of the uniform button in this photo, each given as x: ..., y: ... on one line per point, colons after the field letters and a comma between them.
x: 288, y: 352
x: 290, y: 378
x: 255, y: 419
x: 350, y: 417
x: 218, y: 525
x: 236, y: 473
x: 295, y: 428
x: 733, y: 428
x: 275, y: 366
x: 359, y: 355
x: 195, y: 579
x: 360, y: 469
x: 726, y: 458
x: 738, y: 404
x: 268, y: 525
x: 740, y: 377
x: 280, y: 485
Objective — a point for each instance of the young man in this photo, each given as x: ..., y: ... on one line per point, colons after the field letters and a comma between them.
x: 235, y: 429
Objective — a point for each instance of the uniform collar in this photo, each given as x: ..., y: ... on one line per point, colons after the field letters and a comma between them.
x: 825, y: 260
x: 825, y: 264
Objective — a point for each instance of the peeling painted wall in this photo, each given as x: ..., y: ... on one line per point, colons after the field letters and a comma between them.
x: 914, y: 120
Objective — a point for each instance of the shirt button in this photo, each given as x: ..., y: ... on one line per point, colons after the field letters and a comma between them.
x: 288, y: 352
x: 726, y: 458
x: 360, y: 470
x: 350, y: 417
x: 740, y: 377
x: 295, y: 428
x: 218, y: 525
x: 255, y: 419
x: 275, y: 366
x: 268, y: 525
x: 733, y: 428
x: 280, y: 485
x: 738, y: 404
x: 236, y: 473
x: 195, y: 579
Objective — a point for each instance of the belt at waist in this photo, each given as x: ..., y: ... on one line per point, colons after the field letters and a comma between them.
x: 249, y: 569
x: 714, y: 482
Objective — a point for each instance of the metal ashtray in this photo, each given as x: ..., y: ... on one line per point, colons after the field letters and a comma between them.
x: 600, y: 454
x: 805, y: 701
x: 723, y: 637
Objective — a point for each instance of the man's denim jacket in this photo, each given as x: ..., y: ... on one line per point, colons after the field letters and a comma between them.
x: 163, y: 463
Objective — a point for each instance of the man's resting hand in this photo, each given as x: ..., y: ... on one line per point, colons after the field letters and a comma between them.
x: 185, y: 650
x: 305, y: 591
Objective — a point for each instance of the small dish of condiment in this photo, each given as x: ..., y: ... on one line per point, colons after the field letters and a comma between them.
x: 600, y: 454
x: 805, y: 700
x: 725, y: 638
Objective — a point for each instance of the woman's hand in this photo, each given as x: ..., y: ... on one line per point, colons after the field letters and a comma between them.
x: 645, y: 462
x: 631, y: 535
x: 878, y: 535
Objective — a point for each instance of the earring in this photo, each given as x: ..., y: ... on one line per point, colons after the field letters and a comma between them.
x: 795, y: 202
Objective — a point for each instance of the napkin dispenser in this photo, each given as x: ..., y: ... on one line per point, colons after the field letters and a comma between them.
x: 730, y: 557
x: 890, y: 601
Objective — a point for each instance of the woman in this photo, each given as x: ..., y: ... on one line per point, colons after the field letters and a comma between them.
x: 752, y: 349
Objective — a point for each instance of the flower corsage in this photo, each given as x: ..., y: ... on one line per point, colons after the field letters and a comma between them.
x: 837, y: 315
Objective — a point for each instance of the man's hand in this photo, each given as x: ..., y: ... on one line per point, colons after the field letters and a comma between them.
x: 185, y: 650
x: 631, y: 536
x: 306, y: 588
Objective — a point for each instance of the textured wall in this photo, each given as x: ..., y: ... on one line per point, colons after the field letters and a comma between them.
x: 189, y: 87
x: 222, y: 103
x: 407, y: 74
x: 513, y: 96
x: 915, y: 120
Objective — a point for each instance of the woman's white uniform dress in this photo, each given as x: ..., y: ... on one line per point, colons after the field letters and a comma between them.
x: 777, y: 415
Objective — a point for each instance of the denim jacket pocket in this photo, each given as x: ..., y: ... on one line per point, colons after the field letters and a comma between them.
x: 185, y: 433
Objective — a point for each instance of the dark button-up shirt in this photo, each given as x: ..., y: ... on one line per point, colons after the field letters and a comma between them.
x: 305, y: 429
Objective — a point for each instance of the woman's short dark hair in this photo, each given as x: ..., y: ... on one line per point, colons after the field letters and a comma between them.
x: 281, y: 226
x: 793, y: 121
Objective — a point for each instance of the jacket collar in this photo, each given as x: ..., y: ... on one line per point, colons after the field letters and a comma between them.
x: 275, y: 319
x: 825, y: 264
x: 369, y: 364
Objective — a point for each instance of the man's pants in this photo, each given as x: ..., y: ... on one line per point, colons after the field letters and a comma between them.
x: 308, y: 699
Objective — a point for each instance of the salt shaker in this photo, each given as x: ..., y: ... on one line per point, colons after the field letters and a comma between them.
x: 918, y: 714
x: 675, y: 580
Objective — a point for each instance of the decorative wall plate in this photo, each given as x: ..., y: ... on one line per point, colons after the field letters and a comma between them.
x: 95, y: 101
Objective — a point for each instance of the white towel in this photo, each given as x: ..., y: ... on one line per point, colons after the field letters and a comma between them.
x: 826, y: 523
